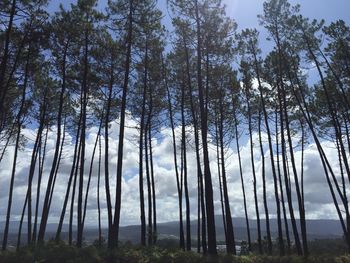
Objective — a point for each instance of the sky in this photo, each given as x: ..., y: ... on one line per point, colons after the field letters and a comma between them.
x: 317, y: 196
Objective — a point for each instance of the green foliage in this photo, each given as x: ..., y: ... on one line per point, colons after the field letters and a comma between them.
x: 53, y: 252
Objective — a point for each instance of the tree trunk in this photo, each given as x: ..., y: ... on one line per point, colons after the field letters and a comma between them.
x: 113, y: 242
x: 72, y: 172
x: 204, y: 126
x: 98, y: 193
x: 3, y: 65
x: 242, y: 182
x: 90, y: 170
x: 281, y: 187
x: 181, y: 231
x: 106, y: 160
x: 184, y: 149
x: 19, y: 121
x: 141, y: 143
x: 275, y: 181
x: 267, y: 217
x: 230, y: 245
x: 40, y: 174
x: 201, y: 203
x: 46, y: 206
x: 250, y: 128
x: 149, y: 190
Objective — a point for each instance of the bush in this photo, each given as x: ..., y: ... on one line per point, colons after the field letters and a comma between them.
x: 57, y: 252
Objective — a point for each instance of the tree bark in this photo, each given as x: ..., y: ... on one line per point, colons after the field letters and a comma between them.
x: 203, y: 116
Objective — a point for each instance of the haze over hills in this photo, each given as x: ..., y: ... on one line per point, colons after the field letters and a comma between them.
x: 317, y: 229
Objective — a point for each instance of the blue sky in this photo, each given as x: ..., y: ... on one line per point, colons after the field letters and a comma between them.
x: 245, y: 11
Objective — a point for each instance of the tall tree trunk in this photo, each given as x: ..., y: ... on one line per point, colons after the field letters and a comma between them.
x: 58, y: 160
x: 40, y: 174
x: 184, y: 149
x: 5, y: 57
x: 201, y: 203
x: 84, y: 88
x: 218, y: 157
x: 300, y: 97
x: 106, y: 149
x: 19, y: 121
x: 286, y: 179
x: 71, y: 214
x: 281, y: 187
x: 149, y: 190
x: 230, y: 245
x: 252, y: 161
x: 90, y: 170
x: 141, y: 143
x: 98, y: 193
x: 32, y: 170
x: 204, y: 131
x: 181, y: 231
x: 242, y: 181
x: 267, y: 216
x: 34, y: 157
x: 115, y: 229
x: 71, y: 176
x: 154, y: 234
x: 46, y: 206
x: 275, y: 181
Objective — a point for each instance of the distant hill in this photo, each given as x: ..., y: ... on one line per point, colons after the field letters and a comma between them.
x: 317, y: 229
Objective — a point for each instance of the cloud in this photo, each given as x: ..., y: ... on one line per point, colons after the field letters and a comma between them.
x: 318, y: 200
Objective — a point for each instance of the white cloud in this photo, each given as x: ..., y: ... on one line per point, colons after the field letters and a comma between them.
x: 318, y: 199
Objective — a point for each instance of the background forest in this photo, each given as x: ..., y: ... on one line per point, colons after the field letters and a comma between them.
x: 110, y: 118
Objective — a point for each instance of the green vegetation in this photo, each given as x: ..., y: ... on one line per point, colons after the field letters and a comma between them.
x: 60, y: 252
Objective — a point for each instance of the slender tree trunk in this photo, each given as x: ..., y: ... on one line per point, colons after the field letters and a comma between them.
x: 286, y: 179
x: 58, y: 160
x: 184, y: 149
x: 325, y: 163
x: 275, y: 180
x: 40, y: 174
x: 71, y: 214
x: 19, y: 234
x: 98, y: 192
x: 257, y: 213
x: 115, y: 229
x: 19, y: 121
x: 46, y: 206
x: 149, y: 190
x: 32, y: 170
x: 201, y: 203
x: 84, y: 88
x: 230, y: 245
x: 296, y: 180
x: 281, y: 187
x: 5, y: 57
x: 71, y: 176
x: 106, y: 150
x: 204, y: 126
x: 90, y: 170
x: 242, y: 181
x: 267, y: 216
x: 154, y: 234
x: 181, y: 231
x: 141, y: 143
x: 218, y: 157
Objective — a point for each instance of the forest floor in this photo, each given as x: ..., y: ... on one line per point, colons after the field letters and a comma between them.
x: 60, y: 252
